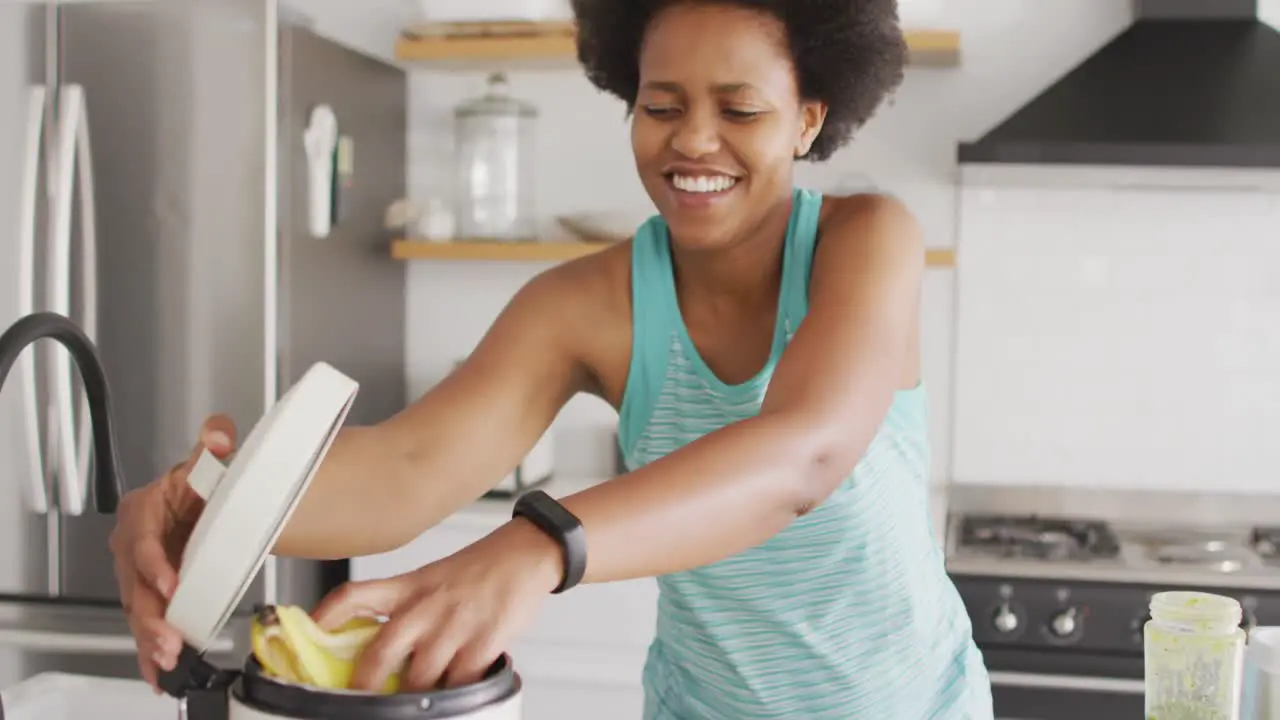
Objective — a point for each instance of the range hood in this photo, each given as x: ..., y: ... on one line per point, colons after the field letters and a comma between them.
x: 1190, y: 83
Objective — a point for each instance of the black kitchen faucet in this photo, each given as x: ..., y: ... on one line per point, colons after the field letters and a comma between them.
x: 107, y: 486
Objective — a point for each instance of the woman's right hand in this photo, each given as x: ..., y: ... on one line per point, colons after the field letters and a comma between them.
x: 153, y: 524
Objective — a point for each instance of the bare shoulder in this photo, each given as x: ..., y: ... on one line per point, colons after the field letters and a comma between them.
x: 870, y: 227
x: 586, y: 303
x: 588, y: 286
x: 866, y: 283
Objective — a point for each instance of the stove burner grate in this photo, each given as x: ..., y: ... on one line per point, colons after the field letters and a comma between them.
x: 1217, y: 556
x: 1266, y: 542
x: 1044, y: 538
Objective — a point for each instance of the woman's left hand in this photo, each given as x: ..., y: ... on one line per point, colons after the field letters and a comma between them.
x: 450, y: 620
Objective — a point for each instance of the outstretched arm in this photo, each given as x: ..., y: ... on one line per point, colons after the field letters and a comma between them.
x: 381, y: 486
x: 378, y: 487
x: 736, y: 487
x: 726, y: 492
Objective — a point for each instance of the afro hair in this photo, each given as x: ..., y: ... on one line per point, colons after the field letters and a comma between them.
x: 848, y: 54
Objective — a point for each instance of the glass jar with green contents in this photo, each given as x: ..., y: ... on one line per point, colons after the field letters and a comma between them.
x: 1194, y: 649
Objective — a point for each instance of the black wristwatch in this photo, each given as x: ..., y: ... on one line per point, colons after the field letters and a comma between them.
x: 552, y: 518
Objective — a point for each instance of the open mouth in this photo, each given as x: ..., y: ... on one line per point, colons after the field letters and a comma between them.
x: 698, y: 189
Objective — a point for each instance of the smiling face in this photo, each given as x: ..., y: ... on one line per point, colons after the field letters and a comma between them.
x: 718, y: 121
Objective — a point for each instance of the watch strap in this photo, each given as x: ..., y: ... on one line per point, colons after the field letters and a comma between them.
x: 552, y: 518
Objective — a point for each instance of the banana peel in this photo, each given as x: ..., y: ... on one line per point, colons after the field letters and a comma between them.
x: 292, y: 648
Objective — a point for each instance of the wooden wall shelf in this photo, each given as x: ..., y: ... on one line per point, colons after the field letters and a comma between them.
x: 474, y: 46
x: 549, y: 251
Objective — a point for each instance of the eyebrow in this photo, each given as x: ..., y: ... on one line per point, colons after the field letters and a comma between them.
x: 720, y: 88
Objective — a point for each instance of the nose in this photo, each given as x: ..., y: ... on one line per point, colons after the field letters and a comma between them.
x: 697, y: 134
x: 107, y: 486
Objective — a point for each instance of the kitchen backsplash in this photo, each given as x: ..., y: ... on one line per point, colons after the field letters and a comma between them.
x: 1120, y: 337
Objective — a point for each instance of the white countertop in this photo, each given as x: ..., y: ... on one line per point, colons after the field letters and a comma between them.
x: 63, y: 696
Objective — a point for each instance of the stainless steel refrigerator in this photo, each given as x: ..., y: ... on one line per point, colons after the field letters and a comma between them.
x: 153, y: 186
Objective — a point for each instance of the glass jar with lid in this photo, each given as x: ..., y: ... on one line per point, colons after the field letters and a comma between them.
x: 494, y: 143
x: 1194, y: 656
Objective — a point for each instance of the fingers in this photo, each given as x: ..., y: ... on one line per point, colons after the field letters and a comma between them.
x: 145, y: 535
x: 441, y: 645
x: 147, y: 670
x: 153, y: 565
x: 122, y: 563
x: 158, y: 643
x: 472, y: 663
x: 142, y: 572
x: 218, y: 434
x: 146, y: 543
x: 429, y: 660
x: 360, y: 599
x: 391, y: 647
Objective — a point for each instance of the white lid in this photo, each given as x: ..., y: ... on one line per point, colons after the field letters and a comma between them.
x: 249, y: 502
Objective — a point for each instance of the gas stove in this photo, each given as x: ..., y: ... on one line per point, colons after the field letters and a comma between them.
x: 1057, y: 584
x: 1076, y: 548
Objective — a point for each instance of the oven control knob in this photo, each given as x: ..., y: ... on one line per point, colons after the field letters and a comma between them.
x: 1064, y: 623
x: 1005, y: 620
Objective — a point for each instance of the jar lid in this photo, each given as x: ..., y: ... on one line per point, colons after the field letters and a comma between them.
x: 1189, y: 606
x: 496, y: 102
x: 248, y: 502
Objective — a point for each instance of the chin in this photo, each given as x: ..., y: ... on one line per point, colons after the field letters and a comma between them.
x: 700, y: 220
x: 699, y: 234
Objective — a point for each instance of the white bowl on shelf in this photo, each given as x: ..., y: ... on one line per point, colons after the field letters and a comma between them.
x: 602, y: 226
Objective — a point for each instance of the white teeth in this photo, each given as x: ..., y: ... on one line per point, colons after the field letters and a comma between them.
x: 703, y: 183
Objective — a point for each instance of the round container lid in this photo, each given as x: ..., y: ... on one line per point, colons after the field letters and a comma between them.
x: 248, y: 502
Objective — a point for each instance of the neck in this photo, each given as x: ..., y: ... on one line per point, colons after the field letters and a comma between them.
x: 743, y: 269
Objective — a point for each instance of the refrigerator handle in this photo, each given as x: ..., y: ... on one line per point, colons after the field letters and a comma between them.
x: 73, y: 448
x: 89, y: 290
x: 36, y: 495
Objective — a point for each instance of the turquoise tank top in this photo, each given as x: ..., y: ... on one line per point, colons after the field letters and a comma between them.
x: 846, y: 614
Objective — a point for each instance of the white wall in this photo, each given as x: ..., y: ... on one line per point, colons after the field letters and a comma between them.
x: 1012, y: 49
x: 1118, y: 329
x: 1269, y: 12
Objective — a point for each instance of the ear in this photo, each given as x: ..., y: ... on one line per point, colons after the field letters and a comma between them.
x: 812, y: 115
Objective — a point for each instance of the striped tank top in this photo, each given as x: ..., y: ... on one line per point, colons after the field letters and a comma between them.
x: 846, y: 614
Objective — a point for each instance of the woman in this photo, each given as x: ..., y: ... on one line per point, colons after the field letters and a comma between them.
x: 761, y: 346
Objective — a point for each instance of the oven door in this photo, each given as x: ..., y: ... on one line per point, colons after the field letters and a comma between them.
x: 1037, y: 696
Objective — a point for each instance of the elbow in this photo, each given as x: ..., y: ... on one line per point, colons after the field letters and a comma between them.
x: 817, y: 460
x: 820, y: 474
